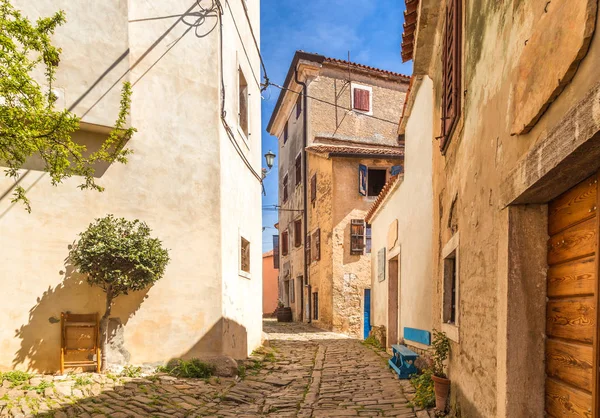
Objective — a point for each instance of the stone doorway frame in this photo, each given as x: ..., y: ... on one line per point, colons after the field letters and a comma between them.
x: 567, y: 155
x: 393, y: 306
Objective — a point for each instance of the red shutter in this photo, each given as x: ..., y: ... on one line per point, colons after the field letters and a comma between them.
x: 284, y: 243
x: 317, y: 238
x: 451, y: 67
x: 361, y: 99
x: 297, y: 233
x: 313, y: 188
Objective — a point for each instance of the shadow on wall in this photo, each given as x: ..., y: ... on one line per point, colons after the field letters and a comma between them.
x: 225, y: 337
x: 40, y: 336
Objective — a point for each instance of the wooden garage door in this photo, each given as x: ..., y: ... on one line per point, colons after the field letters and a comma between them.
x: 571, y: 314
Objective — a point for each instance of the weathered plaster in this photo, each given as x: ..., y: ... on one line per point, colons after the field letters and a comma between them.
x: 184, y: 179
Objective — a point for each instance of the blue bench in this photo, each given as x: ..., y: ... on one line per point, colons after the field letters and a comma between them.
x: 403, y: 361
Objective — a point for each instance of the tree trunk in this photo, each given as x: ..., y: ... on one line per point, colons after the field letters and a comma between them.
x: 104, y: 327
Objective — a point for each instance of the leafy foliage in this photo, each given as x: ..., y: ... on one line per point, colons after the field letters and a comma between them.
x: 373, y: 342
x: 193, y: 368
x: 30, y: 124
x: 119, y: 255
x: 131, y: 371
x: 16, y: 377
x: 424, y: 390
x: 83, y: 380
x: 441, y: 349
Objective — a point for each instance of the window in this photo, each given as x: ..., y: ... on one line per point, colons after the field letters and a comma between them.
x: 368, y: 239
x: 245, y: 255
x: 308, y: 249
x: 450, y: 308
x: 375, y: 181
x: 313, y: 188
x: 243, y: 103
x: 292, y: 291
x: 297, y: 233
x: 451, y: 67
x: 284, y: 242
x: 285, y: 133
x: 276, y: 252
x: 285, y: 188
x: 299, y: 106
x: 317, y: 242
x: 298, y: 169
x: 362, y: 99
x: 357, y: 236
x: 316, y: 306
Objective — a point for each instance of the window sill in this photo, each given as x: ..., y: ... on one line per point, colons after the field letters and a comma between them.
x: 362, y: 112
x: 451, y: 332
x: 245, y: 274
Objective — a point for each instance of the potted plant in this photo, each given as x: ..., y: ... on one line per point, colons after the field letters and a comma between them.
x: 441, y: 348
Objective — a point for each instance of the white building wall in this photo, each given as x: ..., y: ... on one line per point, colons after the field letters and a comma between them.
x: 411, y: 204
x: 184, y: 180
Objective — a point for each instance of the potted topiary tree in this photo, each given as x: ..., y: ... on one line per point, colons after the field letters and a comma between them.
x: 441, y: 349
x: 119, y: 256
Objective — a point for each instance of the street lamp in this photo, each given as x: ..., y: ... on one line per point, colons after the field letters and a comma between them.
x: 270, y: 158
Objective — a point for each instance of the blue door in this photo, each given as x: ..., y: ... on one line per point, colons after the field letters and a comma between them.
x: 367, y: 314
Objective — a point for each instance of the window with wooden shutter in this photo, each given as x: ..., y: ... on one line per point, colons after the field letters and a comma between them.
x: 285, y: 133
x: 298, y: 233
x: 284, y: 243
x: 357, y: 236
x: 313, y: 188
x: 298, y: 169
x: 243, y: 102
x: 367, y: 239
x: 362, y: 99
x: 317, y: 241
x: 308, y: 249
x: 451, y: 67
x: 285, y: 188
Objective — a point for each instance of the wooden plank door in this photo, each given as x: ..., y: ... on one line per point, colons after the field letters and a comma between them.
x: 571, y: 310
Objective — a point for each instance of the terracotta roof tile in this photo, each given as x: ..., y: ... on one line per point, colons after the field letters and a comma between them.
x: 381, y: 196
x: 411, y: 15
x: 334, y: 149
x: 366, y: 67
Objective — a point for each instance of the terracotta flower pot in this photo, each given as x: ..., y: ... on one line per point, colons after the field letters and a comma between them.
x: 442, y: 388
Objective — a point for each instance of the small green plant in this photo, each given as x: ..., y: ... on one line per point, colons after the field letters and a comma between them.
x: 82, y: 380
x: 441, y: 349
x: 131, y: 371
x: 16, y: 377
x: 41, y: 387
x: 242, y: 371
x: 112, y: 377
x: 424, y: 391
x: 162, y: 369
x: 193, y: 368
x: 373, y: 342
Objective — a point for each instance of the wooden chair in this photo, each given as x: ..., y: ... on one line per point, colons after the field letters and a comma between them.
x: 79, y: 335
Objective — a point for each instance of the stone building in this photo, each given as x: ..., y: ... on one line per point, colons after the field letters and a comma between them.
x: 516, y: 132
x: 400, y: 219
x: 337, y: 127
x: 193, y: 177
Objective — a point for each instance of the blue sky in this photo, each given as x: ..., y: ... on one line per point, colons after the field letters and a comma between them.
x: 371, y: 30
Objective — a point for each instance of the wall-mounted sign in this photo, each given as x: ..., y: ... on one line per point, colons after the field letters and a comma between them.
x: 381, y: 265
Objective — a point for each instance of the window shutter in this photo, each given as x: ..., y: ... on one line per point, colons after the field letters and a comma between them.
x: 299, y: 106
x: 297, y: 233
x: 317, y: 238
x: 298, y: 169
x: 361, y: 99
x: 362, y: 179
x: 285, y: 133
x: 313, y: 188
x: 284, y: 243
x: 308, y: 249
x: 357, y: 236
x: 285, y: 188
x: 276, y: 252
x: 451, y: 66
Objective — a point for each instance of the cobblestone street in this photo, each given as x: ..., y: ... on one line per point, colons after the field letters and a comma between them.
x: 304, y: 372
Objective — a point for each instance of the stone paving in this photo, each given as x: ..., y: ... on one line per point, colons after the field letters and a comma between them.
x: 303, y: 372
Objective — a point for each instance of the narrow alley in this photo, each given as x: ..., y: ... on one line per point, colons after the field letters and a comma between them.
x: 302, y: 372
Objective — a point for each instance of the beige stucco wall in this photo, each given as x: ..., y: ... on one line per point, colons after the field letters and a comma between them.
x: 410, y: 203
x: 184, y: 179
x: 480, y: 158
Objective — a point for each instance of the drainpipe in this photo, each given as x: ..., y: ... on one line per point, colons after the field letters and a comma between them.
x: 304, y: 186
